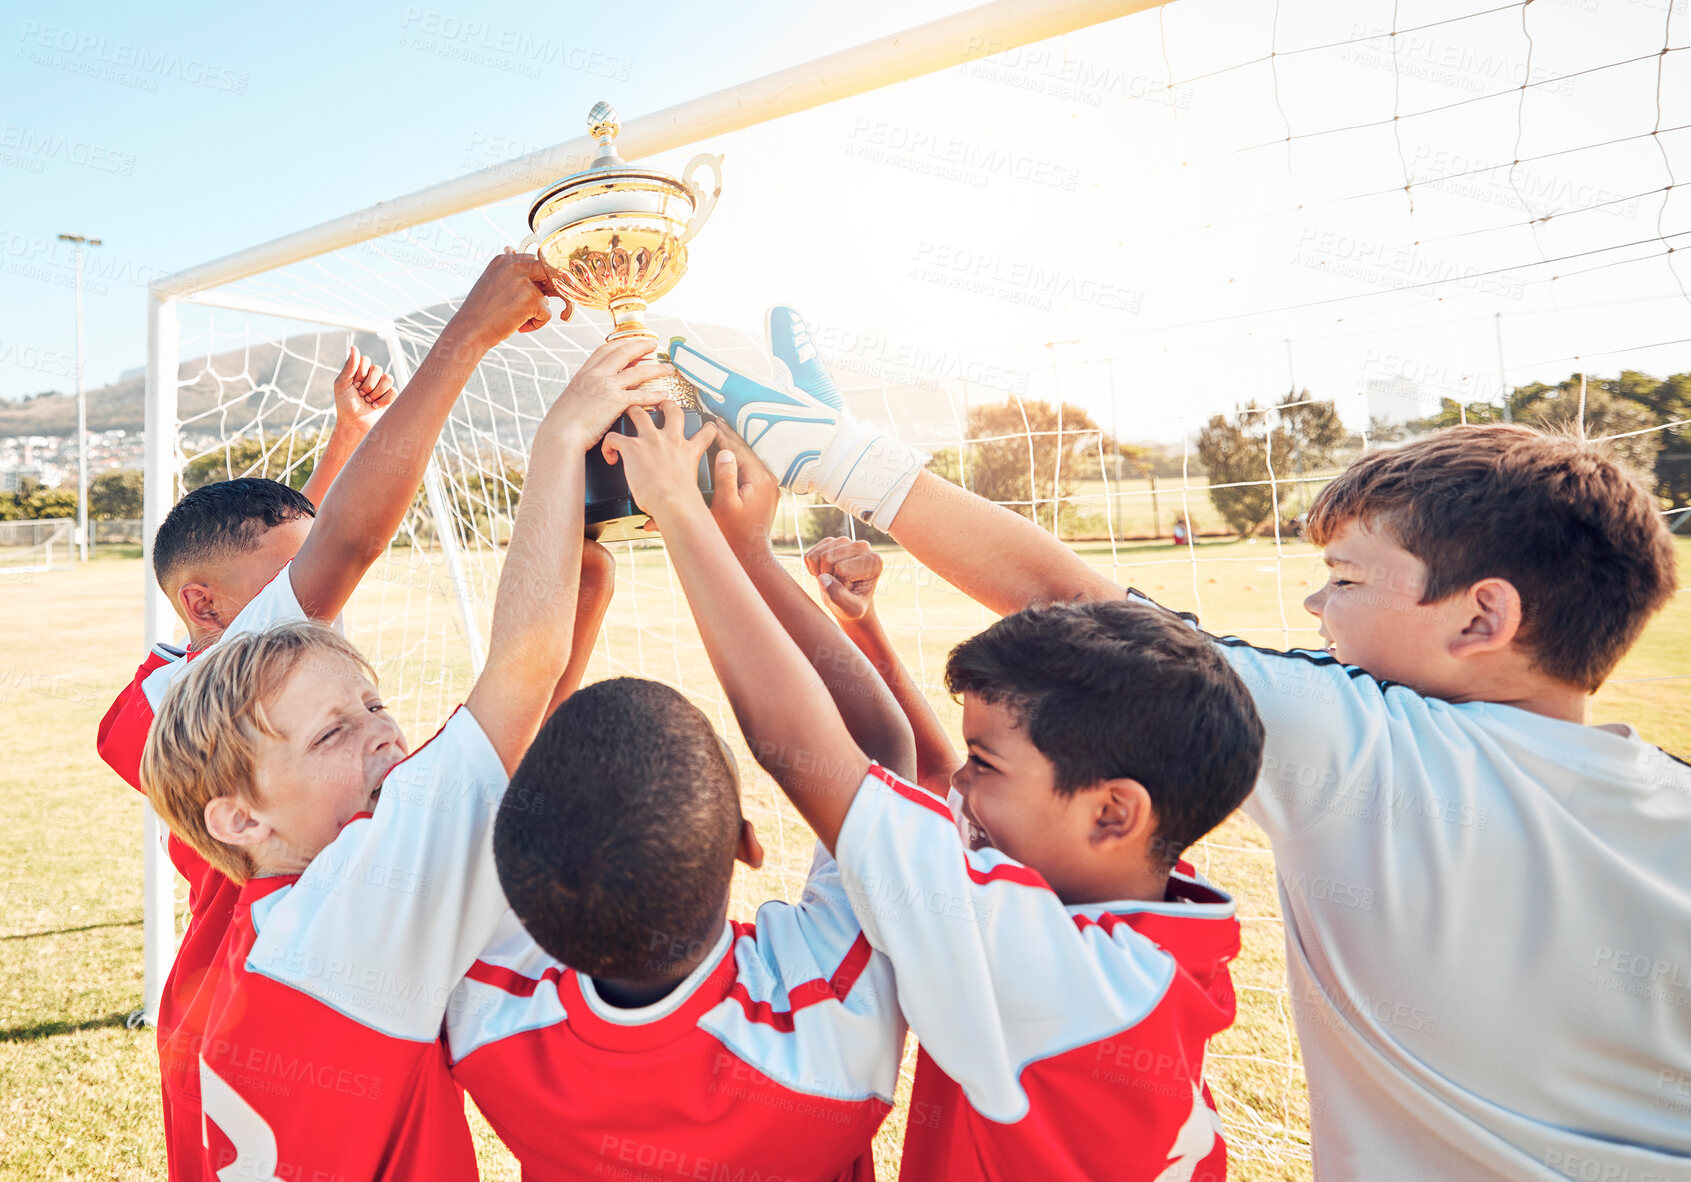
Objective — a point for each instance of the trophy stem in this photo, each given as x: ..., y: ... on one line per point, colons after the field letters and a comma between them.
x: 625, y: 319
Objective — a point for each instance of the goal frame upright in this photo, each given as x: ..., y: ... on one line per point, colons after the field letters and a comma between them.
x: 924, y: 49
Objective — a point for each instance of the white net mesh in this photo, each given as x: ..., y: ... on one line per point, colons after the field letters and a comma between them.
x: 1034, y: 262
x: 27, y: 547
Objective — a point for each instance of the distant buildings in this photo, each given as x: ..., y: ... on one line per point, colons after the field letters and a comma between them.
x: 51, y: 459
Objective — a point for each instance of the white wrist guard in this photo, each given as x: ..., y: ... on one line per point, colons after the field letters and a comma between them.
x: 867, y: 472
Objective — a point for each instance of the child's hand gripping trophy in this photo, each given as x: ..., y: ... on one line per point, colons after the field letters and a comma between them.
x: 660, y: 462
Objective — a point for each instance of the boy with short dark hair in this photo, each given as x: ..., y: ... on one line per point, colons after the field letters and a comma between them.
x: 632, y: 1026
x: 1499, y: 990
x: 1060, y: 970
x: 239, y: 555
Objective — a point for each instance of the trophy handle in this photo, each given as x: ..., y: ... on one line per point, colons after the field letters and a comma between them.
x: 702, y: 204
x: 528, y: 244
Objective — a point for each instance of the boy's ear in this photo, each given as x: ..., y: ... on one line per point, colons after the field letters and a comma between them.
x: 1122, y: 814
x: 230, y: 821
x: 750, y: 850
x: 199, y: 606
x: 1494, y: 619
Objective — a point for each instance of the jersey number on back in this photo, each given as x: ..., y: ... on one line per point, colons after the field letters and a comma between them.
x: 1193, y: 1143
x: 255, y: 1144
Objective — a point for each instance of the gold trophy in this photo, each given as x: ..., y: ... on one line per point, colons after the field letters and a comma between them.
x: 615, y: 237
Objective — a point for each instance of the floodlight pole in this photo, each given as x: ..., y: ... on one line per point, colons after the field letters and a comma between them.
x: 1502, y: 373
x: 78, y: 241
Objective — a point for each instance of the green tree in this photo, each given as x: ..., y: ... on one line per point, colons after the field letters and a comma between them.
x: 1245, y: 451
x: 1021, y: 455
x: 1626, y: 406
x: 1668, y: 402
x: 822, y: 520
x: 115, y: 496
x: 32, y: 502
x: 288, y: 458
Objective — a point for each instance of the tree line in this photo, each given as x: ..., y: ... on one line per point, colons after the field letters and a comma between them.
x: 1032, y: 456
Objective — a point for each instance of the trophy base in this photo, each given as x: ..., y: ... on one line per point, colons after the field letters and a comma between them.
x: 611, y: 513
x: 672, y: 385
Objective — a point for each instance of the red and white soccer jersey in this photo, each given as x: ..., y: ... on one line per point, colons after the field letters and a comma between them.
x: 774, y: 1061
x: 322, y: 1055
x: 211, y: 896
x: 1488, y: 930
x: 1059, y: 1043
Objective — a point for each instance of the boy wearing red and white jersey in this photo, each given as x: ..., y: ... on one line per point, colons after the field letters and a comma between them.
x: 1060, y: 971
x: 240, y: 555
x: 367, y: 885
x: 1487, y: 929
x: 774, y: 1056
x: 633, y: 1030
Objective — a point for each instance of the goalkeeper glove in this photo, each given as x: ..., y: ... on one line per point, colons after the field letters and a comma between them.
x: 796, y: 423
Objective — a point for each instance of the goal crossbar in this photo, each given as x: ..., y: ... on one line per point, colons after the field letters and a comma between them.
x: 938, y: 45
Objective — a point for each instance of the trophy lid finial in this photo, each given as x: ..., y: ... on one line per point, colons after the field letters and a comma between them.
x: 602, y: 122
x: 602, y: 125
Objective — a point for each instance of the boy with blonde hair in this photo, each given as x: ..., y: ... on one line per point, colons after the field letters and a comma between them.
x: 238, y: 555
x: 366, y: 884
x: 1501, y: 989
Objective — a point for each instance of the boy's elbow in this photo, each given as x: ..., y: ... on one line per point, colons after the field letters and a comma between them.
x: 1071, y: 586
x: 598, y: 567
x: 895, y: 750
x: 905, y: 767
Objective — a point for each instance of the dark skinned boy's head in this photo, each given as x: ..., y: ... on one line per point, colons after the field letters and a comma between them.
x: 617, y: 838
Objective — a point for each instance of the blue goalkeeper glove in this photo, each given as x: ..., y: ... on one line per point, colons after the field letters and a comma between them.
x: 794, y: 420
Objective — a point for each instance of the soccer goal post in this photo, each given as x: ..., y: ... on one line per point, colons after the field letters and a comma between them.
x: 977, y: 33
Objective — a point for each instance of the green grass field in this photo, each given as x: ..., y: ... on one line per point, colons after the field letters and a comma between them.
x: 79, y: 1091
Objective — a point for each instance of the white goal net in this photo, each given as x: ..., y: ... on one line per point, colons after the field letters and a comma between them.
x: 42, y: 544
x: 1151, y: 282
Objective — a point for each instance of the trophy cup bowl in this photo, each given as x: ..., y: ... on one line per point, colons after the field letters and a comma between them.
x: 615, y: 237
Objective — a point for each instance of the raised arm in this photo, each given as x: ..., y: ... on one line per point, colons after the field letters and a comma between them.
x: 534, y: 610
x: 802, y: 432
x: 847, y: 572
x: 364, y: 506
x: 744, y: 508
x: 783, y: 708
x: 361, y: 390
x: 994, y: 556
x: 598, y: 581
